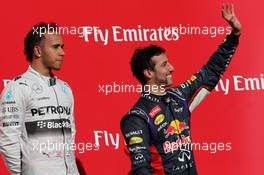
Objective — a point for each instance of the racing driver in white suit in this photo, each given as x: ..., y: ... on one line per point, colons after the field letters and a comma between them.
x: 36, y: 111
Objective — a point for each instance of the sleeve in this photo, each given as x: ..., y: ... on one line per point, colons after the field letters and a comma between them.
x: 204, y: 81
x: 73, y: 129
x: 72, y: 120
x: 11, y: 121
x: 137, y: 136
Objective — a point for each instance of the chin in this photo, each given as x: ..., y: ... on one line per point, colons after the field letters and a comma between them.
x: 169, y: 82
x: 56, y: 68
x: 168, y: 85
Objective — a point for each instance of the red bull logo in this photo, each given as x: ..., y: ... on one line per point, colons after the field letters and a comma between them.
x: 182, y: 143
x: 175, y: 127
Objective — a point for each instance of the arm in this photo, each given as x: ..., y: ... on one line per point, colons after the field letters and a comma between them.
x: 11, y: 122
x: 137, y: 137
x: 203, y: 82
x: 72, y: 119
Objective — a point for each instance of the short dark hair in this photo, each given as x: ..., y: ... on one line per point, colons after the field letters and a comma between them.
x: 141, y: 60
x: 35, y: 36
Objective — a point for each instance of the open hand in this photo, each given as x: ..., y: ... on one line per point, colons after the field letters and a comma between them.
x: 228, y: 14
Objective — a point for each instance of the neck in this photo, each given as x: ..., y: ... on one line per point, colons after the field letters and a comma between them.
x: 41, y: 69
x: 155, y: 89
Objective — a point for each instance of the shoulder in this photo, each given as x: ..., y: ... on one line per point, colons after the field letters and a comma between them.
x: 65, y: 86
x: 17, y: 87
x: 177, y: 92
x: 63, y: 83
x: 136, y: 114
x: 19, y: 82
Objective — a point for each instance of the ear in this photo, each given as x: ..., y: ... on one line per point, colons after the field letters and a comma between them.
x: 37, y: 51
x: 148, y: 73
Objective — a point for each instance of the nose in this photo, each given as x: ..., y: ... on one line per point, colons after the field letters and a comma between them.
x: 62, y: 53
x: 171, y: 68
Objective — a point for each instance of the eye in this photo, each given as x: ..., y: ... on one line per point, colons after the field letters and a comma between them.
x: 56, y: 46
x: 164, y: 63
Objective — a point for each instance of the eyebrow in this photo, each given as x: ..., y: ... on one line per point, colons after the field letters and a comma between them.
x: 57, y: 45
x: 164, y: 62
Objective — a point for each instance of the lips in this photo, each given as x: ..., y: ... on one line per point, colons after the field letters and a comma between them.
x: 60, y: 58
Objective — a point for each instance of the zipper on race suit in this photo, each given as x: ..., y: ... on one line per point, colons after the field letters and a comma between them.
x: 61, y: 129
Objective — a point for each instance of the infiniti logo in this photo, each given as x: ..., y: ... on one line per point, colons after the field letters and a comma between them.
x: 138, y: 156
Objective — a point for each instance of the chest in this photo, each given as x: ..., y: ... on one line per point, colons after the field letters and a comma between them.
x: 170, y: 120
x: 48, y: 101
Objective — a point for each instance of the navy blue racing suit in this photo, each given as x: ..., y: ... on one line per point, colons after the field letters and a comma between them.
x: 157, y: 128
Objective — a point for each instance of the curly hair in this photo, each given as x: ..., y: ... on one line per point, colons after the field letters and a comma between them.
x: 141, y: 60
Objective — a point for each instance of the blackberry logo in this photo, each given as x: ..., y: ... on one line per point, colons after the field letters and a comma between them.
x: 41, y: 124
x: 54, y: 124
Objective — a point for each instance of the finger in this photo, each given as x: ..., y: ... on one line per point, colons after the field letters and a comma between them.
x: 233, y: 9
x: 228, y: 8
x: 223, y: 8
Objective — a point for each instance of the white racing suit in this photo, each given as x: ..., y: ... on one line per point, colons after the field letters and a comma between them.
x: 37, y: 126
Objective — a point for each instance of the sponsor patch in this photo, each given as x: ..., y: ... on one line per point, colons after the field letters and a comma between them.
x: 159, y: 119
x: 154, y: 111
x: 135, y: 140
